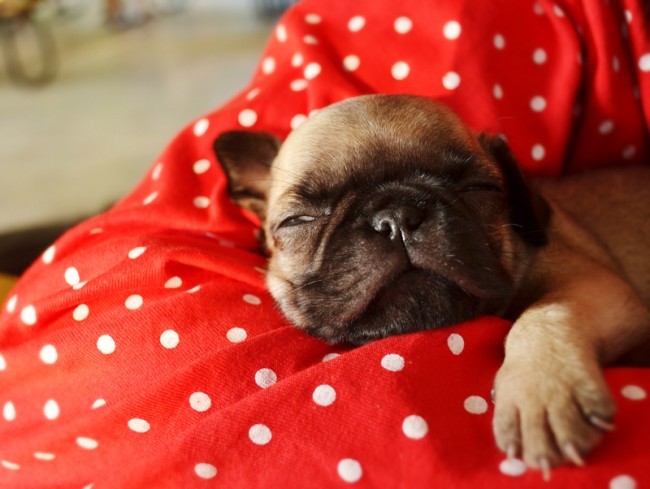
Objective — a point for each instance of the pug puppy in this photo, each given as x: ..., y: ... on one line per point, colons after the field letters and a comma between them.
x: 385, y: 214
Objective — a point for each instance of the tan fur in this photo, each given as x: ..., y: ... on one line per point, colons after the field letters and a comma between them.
x: 594, y: 311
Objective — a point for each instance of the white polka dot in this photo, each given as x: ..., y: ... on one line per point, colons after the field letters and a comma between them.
x: 538, y: 103
x: 169, y: 339
x: 87, y: 443
x: 351, y: 62
x: 400, y: 70
x: 415, y: 427
x: 403, y: 25
x: 313, y: 19
x: 616, y: 64
x: 539, y: 56
x: 201, y: 202
x: 200, y: 401
x: 629, y: 152
x: 475, y: 405
x: 46, y: 457
x: 205, y: 471
x: 349, y: 470
x: 497, y: 91
x: 9, y: 411
x: 606, y: 127
x: 451, y: 80
x: 139, y: 425
x: 201, y: 166
x: 538, y: 152
x: 622, y: 482
x: 311, y: 71
x: 11, y: 303
x: 633, y: 392
x: 281, y: 33
x: 48, y: 354
x: 99, y: 403
x: 236, y: 335
x: 512, y: 467
x: 451, y: 30
x: 28, y: 315
x: 538, y: 8
x: 80, y: 285
x: 80, y: 312
x: 456, y: 343
x: 155, y: 174
x: 393, y: 362
x: 330, y: 356
x: 48, y: 255
x: 298, y: 120
x: 51, y: 410
x: 253, y: 93
x: 173, y: 283
x: 268, y: 65
x: 499, y: 41
x: 247, y: 117
x: 628, y: 16
x: 558, y: 11
x: 96, y: 231
x: 309, y: 39
x: 194, y: 289
x: 106, y: 344
x: 252, y: 299
x: 134, y: 302
x: 260, y: 434
x: 200, y: 127
x: 9, y: 465
x: 324, y: 395
x: 298, y: 85
x: 356, y: 23
x: 150, y: 198
x: 71, y: 276
x: 3, y: 363
x: 297, y: 60
x: 265, y: 377
x: 136, y: 252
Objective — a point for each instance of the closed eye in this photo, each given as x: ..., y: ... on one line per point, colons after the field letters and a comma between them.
x: 296, y: 221
x: 482, y: 187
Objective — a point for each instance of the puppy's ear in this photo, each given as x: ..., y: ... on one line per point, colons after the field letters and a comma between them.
x: 246, y: 157
x: 529, y: 212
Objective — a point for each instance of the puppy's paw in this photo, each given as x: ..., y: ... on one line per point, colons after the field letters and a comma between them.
x: 550, y: 412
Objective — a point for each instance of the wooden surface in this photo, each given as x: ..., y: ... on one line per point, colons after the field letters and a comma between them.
x: 6, y: 283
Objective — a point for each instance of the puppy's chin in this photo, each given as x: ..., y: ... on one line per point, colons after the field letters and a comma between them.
x: 415, y: 300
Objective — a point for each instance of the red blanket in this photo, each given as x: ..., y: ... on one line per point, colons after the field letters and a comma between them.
x: 143, y: 351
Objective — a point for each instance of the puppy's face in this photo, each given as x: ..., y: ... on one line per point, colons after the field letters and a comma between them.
x: 385, y: 215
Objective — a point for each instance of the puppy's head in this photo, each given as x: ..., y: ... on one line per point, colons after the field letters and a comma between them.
x: 385, y: 214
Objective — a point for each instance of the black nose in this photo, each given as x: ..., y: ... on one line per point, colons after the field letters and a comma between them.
x: 397, y: 222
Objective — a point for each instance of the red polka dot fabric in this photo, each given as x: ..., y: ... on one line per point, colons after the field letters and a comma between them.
x: 143, y: 351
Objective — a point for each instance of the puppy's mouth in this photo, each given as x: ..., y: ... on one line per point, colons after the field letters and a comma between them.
x: 413, y: 300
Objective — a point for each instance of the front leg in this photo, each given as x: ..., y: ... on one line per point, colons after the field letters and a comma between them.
x: 552, y: 403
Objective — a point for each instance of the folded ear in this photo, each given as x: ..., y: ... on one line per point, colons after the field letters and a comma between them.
x: 246, y: 157
x: 529, y: 212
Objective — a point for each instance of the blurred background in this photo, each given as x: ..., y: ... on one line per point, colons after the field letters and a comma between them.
x: 91, y: 91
